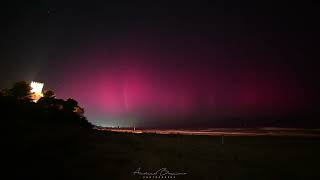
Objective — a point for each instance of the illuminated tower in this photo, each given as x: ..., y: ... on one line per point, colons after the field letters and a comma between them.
x: 36, y: 90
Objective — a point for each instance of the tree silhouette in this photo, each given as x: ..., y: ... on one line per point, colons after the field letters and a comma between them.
x: 17, y: 103
x: 70, y: 105
x: 21, y: 91
x: 49, y: 94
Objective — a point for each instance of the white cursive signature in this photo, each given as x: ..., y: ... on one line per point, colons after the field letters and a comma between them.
x: 160, y: 172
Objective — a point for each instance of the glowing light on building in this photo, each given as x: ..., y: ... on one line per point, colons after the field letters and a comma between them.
x: 36, y: 90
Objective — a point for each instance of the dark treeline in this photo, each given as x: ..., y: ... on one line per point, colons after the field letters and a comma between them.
x: 17, y: 105
x: 38, y: 136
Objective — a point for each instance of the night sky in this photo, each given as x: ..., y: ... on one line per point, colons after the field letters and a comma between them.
x: 165, y: 64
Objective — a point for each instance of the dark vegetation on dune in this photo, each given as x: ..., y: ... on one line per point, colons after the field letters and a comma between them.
x: 49, y: 140
x: 38, y: 136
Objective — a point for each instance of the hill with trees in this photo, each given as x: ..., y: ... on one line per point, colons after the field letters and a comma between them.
x: 37, y: 136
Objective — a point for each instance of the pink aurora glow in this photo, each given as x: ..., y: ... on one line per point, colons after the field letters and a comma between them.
x: 117, y: 84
